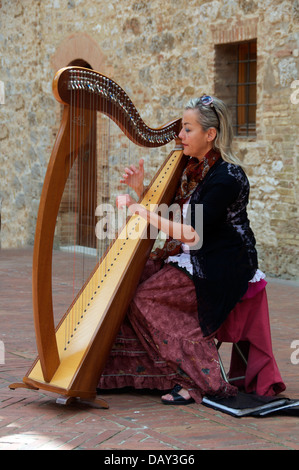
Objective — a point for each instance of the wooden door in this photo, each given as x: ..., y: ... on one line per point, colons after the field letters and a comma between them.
x: 87, y: 185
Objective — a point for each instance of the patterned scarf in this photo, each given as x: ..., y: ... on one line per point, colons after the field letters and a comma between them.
x: 193, y: 174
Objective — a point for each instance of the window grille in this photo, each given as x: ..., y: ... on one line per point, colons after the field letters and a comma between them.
x: 236, y: 66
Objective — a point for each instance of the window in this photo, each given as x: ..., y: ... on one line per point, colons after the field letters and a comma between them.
x: 235, y: 67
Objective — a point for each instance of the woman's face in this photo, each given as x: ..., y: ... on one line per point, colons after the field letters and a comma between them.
x: 195, y: 140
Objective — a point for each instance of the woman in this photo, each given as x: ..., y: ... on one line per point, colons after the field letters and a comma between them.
x: 190, y: 286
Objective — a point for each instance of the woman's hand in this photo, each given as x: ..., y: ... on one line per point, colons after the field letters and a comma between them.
x: 176, y: 230
x: 125, y: 200
x: 134, y: 177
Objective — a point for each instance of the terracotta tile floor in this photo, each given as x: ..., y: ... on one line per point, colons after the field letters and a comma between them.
x: 33, y: 420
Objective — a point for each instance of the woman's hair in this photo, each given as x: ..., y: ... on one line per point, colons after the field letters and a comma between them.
x: 220, y: 120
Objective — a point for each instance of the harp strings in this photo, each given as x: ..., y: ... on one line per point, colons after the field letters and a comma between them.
x: 82, y: 245
x: 95, y: 164
x: 79, y: 149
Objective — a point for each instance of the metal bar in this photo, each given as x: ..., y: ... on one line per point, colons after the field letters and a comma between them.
x: 241, y: 83
x: 241, y: 61
x: 247, y: 87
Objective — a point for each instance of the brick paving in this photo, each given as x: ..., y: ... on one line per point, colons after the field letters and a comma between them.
x: 31, y: 420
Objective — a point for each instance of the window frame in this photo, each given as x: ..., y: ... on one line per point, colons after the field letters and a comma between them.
x: 241, y: 63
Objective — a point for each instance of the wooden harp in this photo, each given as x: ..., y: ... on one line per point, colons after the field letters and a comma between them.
x: 72, y: 367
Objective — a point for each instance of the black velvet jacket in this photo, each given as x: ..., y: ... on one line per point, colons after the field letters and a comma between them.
x: 227, y: 258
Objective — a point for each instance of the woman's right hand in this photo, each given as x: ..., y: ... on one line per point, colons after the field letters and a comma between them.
x: 134, y: 177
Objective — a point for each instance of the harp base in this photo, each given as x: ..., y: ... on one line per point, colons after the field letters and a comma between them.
x: 65, y: 400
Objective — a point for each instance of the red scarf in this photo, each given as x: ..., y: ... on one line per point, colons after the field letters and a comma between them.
x: 194, y: 172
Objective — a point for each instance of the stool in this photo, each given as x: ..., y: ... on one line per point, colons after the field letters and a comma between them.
x: 248, y: 327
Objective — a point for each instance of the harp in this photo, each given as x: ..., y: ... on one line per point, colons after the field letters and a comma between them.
x: 72, y: 354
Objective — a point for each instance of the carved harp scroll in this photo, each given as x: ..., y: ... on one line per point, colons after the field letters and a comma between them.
x: 73, y: 371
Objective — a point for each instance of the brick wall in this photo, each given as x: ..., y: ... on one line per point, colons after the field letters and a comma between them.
x: 161, y: 54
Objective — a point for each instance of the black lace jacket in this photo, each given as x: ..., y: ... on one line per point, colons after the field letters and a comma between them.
x: 227, y: 258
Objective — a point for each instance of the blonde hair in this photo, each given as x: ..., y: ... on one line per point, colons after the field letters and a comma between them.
x: 221, y: 122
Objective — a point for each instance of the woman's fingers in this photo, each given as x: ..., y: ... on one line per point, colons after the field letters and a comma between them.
x: 124, y: 200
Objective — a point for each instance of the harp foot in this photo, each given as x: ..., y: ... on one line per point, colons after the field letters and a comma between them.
x: 95, y: 402
x: 21, y: 385
x: 65, y: 400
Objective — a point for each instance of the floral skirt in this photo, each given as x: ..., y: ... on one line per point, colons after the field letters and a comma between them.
x: 160, y: 343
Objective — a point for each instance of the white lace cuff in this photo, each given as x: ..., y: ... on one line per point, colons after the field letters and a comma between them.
x: 259, y: 275
x: 183, y: 260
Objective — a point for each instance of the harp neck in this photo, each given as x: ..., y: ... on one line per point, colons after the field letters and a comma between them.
x: 102, y: 94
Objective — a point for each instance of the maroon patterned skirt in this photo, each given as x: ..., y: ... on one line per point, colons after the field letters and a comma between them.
x: 161, y: 344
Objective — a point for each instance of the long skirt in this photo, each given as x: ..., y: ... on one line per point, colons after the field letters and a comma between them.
x: 160, y: 343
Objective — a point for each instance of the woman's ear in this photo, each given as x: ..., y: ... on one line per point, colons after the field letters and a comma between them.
x: 212, y: 133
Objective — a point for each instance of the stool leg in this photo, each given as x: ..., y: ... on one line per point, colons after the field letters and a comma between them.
x: 240, y: 353
x: 222, y: 369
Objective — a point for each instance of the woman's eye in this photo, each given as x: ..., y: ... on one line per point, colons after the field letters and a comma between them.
x: 187, y: 130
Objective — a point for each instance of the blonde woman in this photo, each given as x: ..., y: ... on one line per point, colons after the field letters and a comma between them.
x: 191, y: 285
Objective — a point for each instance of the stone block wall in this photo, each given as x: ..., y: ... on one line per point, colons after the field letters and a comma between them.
x: 161, y: 53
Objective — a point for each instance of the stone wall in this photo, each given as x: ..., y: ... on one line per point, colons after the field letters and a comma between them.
x: 161, y: 53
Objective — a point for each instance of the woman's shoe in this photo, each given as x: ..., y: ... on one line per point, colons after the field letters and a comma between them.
x: 177, y: 398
